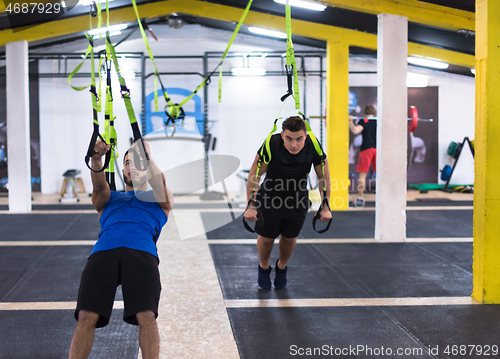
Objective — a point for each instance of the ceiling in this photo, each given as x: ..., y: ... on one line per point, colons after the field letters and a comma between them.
x: 458, y: 41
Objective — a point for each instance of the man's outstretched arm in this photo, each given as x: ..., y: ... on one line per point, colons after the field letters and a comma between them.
x: 355, y: 129
x: 100, y: 188
x: 156, y: 179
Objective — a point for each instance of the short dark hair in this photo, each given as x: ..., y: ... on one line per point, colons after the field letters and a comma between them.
x: 370, y: 110
x: 125, y: 155
x: 294, y: 124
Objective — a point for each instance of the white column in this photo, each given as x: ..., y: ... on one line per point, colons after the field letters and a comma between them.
x: 18, y: 127
x: 390, y: 215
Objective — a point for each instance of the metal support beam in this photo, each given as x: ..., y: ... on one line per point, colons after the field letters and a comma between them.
x: 337, y: 126
x: 487, y: 155
x: 230, y: 14
x: 416, y: 11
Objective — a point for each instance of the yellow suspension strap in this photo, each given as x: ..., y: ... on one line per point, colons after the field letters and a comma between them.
x: 125, y: 93
x: 174, y: 111
x: 170, y: 110
x: 324, y: 202
x: 264, y: 155
x: 109, y: 121
x: 95, y: 98
x: 291, y: 65
x: 291, y: 71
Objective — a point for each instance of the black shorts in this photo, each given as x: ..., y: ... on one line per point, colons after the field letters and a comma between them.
x: 280, y: 217
x: 137, y: 272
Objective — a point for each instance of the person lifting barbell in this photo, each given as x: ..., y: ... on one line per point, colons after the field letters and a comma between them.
x: 368, y: 154
x: 412, y: 119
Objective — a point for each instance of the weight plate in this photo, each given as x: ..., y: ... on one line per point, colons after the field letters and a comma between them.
x: 445, y: 173
x: 452, y: 148
x: 413, y: 119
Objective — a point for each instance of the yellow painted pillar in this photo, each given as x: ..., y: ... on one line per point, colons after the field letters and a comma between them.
x: 486, y: 267
x: 337, y: 124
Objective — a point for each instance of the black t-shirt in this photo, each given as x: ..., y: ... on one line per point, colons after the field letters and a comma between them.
x: 287, y: 173
x: 369, y: 133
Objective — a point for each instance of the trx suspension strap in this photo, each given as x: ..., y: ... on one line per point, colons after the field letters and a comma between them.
x: 95, y: 98
x: 324, y: 202
x: 264, y: 155
x: 291, y: 65
x: 125, y: 93
x: 173, y: 111
x: 109, y: 122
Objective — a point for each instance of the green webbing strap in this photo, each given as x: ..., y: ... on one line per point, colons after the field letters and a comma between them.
x: 223, y: 57
x: 220, y: 84
x: 153, y: 63
x: 174, y: 110
x: 99, y: 102
x: 90, y: 49
x: 110, y: 133
x: 95, y: 101
x: 291, y: 65
x: 324, y: 202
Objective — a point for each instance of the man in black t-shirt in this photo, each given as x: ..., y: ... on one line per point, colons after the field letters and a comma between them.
x: 368, y: 154
x: 282, y: 198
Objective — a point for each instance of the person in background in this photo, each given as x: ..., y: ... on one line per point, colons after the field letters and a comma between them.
x: 368, y: 154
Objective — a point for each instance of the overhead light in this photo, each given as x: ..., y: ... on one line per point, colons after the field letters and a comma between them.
x: 416, y: 80
x: 310, y: 5
x: 89, y: 2
x: 267, y: 32
x: 248, y: 71
x: 420, y: 61
x: 473, y: 70
x: 126, y: 74
x: 112, y: 28
x: 103, y: 34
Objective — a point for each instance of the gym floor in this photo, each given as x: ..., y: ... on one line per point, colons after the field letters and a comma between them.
x: 347, y: 296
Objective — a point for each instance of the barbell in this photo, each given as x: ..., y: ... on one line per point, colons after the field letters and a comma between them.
x: 412, y: 119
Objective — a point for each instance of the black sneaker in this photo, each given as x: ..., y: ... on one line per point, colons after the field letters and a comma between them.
x: 264, y: 280
x: 280, y: 280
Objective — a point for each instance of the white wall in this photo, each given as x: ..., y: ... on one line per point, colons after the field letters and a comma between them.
x: 243, y: 118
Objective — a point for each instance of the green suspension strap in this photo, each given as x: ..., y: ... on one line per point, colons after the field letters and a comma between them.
x: 264, y: 156
x: 109, y: 126
x: 173, y: 111
x: 291, y: 65
x: 125, y: 93
x: 95, y: 98
x: 324, y: 202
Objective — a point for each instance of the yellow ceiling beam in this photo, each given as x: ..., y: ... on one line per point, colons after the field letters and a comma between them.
x: 416, y: 11
x: 81, y: 23
x: 451, y: 57
x: 226, y: 13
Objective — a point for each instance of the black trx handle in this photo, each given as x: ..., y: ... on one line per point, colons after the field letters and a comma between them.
x: 142, y: 150
x: 93, y: 9
x: 318, y: 214
x: 289, y: 79
x: 91, y: 152
x: 111, y: 181
x: 259, y: 218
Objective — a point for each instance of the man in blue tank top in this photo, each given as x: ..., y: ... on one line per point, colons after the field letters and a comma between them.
x: 125, y: 253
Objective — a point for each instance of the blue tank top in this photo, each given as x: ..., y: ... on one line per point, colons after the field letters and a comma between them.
x: 131, y: 220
